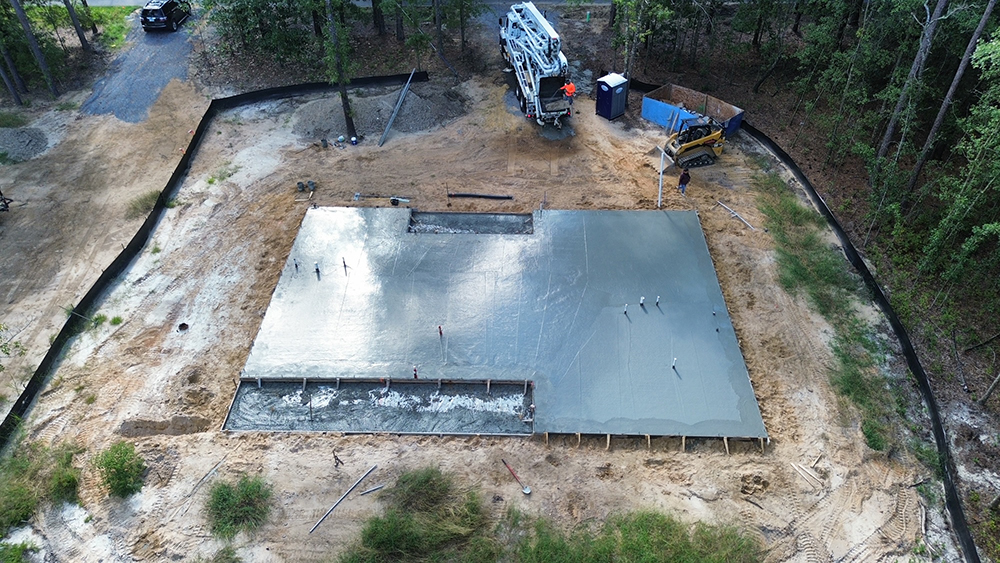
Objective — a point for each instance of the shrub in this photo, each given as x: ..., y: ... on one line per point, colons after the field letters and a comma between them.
x: 16, y: 552
x: 142, y: 204
x: 121, y: 469
x: 17, y: 503
x: 240, y: 507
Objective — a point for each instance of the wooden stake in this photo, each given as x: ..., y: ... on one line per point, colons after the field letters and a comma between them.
x: 761, y: 445
x: 803, y: 475
x: 649, y: 443
x: 725, y: 442
x: 683, y: 438
x: 546, y: 438
x: 578, y: 439
x: 608, y: 447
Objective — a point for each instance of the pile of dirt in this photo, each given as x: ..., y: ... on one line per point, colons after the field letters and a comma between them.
x: 22, y: 143
x: 426, y: 106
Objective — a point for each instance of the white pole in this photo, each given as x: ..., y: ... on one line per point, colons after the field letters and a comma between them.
x: 659, y: 197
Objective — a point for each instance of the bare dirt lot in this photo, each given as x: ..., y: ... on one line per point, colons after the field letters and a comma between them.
x: 215, y: 259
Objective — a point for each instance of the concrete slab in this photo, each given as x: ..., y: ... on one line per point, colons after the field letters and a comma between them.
x: 548, y: 306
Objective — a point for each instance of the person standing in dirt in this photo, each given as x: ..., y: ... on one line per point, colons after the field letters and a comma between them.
x: 682, y: 182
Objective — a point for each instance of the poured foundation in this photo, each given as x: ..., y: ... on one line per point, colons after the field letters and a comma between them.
x: 403, y: 407
x: 617, y: 316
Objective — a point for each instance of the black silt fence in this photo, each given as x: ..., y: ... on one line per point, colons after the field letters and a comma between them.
x: 952, y: 500
x: 77, y: 321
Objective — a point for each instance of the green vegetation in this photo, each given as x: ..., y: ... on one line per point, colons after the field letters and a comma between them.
x: 225, y: 555
x: 112, y: 23
x: 121, y: 469
x: 242, y: 507
x: 67, y: 106
x: 223, y: 173
x: 99, y: 319
x: 641, y: 536
x: 16, y: 552
x: 428, y: 518
x: 9, y: 347
x: 809, y: 265
x: 116, y: 320
x: 142, y: 204
x: 12, y: 119
x: 33, y: 475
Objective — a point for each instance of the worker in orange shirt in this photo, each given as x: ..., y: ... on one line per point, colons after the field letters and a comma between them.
x: 570, y: 90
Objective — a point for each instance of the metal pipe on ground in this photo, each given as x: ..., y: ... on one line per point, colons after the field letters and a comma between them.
x: 737, y: 215
x: 482, y: 196
x: 399, y: 104
x: 354, y: 486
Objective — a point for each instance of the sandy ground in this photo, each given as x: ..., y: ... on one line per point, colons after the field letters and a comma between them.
x: 216, y: 257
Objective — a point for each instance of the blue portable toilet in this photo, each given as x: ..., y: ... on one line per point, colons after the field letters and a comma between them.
x: 612, y: 93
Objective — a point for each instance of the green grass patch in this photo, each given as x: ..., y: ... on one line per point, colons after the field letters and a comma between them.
x: 34, y: 475
x: 116, y: 320
x: 810, y: 266
x: 142, y: 204
x: 67, y: 106
x: 429, y: 518
x: 16, y: 552
x: 99, y: 319
x: 121, y: 469
x: 225, y: 555
x: 640, y: 536
x: 243, y: 507
x: 112, y: 24
x: 12, y: 119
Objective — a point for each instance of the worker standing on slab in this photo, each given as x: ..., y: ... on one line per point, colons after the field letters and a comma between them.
x: 682, y: 182
x: 570, y: 89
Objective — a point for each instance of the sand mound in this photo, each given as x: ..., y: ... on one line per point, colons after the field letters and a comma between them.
x: 424, y: 108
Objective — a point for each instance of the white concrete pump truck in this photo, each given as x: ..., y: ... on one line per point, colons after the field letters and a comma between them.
x: 532, y: 48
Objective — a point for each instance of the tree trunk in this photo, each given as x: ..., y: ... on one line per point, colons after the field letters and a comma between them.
x: 338, y: 57
x: 18, y: 81
x: 926, y: 38
x: 798, y: 18
x: 613, y: 15
x: 400, y: 30
x: 77, y: 27
x: 10, y: 87
x: 93, y: 24
x: 758, y: 33
x: 378, y: 17
x: 989, y: 391
x: 317, y: 24
x: 35, y: 49
x: 946, y: 103
x: 461, y: 22
x: 437, y: 25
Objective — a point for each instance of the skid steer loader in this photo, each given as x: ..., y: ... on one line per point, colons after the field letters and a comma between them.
x: 698, y: 143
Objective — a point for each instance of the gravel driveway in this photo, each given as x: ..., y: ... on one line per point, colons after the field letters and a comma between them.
x: 145, y: 66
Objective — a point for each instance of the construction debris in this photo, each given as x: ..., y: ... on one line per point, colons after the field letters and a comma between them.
x: 356, y: 483
x: 483, y: 196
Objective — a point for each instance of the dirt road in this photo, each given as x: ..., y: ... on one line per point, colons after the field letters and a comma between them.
x: 215, y: 259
